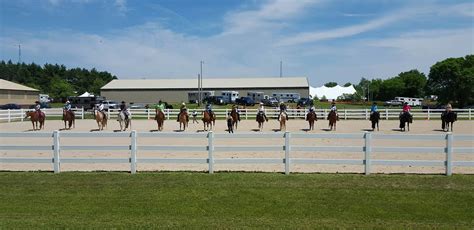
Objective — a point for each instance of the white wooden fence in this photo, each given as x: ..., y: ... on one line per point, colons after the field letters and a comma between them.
x: 345, y: 114
x: 134, y: 149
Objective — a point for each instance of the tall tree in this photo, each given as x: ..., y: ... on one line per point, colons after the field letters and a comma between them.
x: 415, y: 83
x: 452, y: 80
x: 330, y: 84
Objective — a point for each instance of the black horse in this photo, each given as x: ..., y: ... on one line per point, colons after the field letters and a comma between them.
x: 447, y: 120
x: 405, y: 118
x: 374, y: 118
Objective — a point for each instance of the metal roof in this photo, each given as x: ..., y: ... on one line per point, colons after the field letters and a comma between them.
x: 8, y: 85
x: 209, y: 83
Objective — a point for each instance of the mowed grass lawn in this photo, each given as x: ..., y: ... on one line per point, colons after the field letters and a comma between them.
x: 234, y: 200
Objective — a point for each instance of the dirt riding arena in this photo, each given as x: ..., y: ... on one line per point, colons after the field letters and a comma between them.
x: 247, y: 126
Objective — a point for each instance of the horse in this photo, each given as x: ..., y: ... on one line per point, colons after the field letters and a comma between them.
x: 124, y: 121
x: 35, y: 118
x: 311, y: 117
x: 282, y: 118
x: 69, y: 117
x: 183, y: 120
x: 405, y: 118
x: 447, y: 118
x: 332, y: 117
x: 374, y: 118
x: 207, y: 120
x: 101, y: 119
x: 260, y: 120
x: 235, y: 117
x: 160, y: 119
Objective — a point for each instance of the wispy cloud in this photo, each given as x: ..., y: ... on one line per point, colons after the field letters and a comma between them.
x: 121, y: 5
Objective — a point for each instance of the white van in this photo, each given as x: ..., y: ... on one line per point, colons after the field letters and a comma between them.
x: 256, y: 96
x: 287, y: 97
x: 230, y: 96
x: 410, y: 100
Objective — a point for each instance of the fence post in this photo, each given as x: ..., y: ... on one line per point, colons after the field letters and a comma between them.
x: 287, y: 152
x: 246, y: 112
x: 167, y: 114
x: 469, y: 114
x: 82, y: 113
x: 9, y: 116
x: 429, y: 115
x: 345, y: 114
x: 108, y: 114
x: 133, y: 152
x: 22, y: 114
x: 56, y: 161
x: 325, y: 114
x: 368, y: 149
x: 386, y: 114
x: 449, y: 154
x: 366, y: 114
x: 148, y: 114
x: 210, y: 149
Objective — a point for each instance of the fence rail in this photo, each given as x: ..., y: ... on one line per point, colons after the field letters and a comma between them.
x: 344, y: 114
x: 211, y: 148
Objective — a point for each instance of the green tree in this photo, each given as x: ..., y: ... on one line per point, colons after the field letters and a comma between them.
x: 347, y: 84
x: 391, y: 88
x: 60, y: 89
x: 330, y: 84
x: 452, y: 80
x: 415, y: 83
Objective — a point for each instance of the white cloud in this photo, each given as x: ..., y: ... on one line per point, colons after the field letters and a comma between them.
x: 121, y: 5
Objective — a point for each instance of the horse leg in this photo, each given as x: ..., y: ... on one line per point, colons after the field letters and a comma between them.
x: 377, y: 126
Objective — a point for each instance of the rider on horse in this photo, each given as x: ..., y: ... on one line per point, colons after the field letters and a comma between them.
x: 333, y: 108
x: 67, y: 108
x: 283, y: 110
x: 406, y: 108
x: 311, y: 109
x: 209, y: 110
x: 261, y: 110
x: 374, y: 108
x: 124, y: 110
x: 237, y: 110
x: 160, y: 106
x: 182, y: 110
x: 38, y: 108
x: 101, y: 109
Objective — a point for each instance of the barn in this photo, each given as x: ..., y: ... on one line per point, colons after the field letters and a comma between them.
x: 176, y: 90
x: 11, y: 92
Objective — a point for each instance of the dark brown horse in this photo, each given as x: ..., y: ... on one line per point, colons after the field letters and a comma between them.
x: 405, y: 118
x: 311, y: 117
x: 208, y: 120
x: 160, y: 119
x: 447, y: 120
x: 332, y: 117
x: 70, y: 118
x: 375, y: 118
x: 235, y: 117
x: 260, y: 120
x: 183, y: 120
x: 35, y: 119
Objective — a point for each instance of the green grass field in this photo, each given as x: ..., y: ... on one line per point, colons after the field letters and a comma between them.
x: 234, y: 200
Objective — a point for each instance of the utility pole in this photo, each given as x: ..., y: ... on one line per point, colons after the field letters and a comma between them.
x: 19, y: 53
x: 200, y: 90
x: 281, y: 69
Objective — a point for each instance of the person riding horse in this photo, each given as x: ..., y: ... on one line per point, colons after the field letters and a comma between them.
x: 67, y: 109
x: 160, y: 106
x: 209, y: 110
x: 182, y: 110
x: 38, y: 109
x: 333, y: 109
x: 406, y: 110
x: 101, y: 109
x: 311, y: 109
x: 124, y: 110
x: 261, y: 110
x: 236, y: 108
x: 283, y: 110
x: 374, y: 108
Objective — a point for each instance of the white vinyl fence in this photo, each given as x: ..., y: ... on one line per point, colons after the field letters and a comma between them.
x: 211, y: 148
x: 344, y: 114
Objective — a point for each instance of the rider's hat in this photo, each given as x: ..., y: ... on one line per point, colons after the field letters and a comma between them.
x: 68, y: 101
x: 406, y: 103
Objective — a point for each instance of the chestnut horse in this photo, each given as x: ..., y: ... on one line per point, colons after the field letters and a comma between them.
x: 160, y: 119
x: 35, y: 119
x: 69, y: 117
x: 207, y: 120
x: 311, y: 117
x: 260, y: 120
x: 235, y: 117
x: 183, y: 120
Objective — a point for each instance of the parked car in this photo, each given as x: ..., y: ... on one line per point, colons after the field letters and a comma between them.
x: 43, y: 105
x: 10, y: 106
x: 392, y: 103
x: 138, y: 106
x: 270, y: 102
x: 305, y: 102
x: 108, y: 104
x: 216, y: 100
x: 247, y: 101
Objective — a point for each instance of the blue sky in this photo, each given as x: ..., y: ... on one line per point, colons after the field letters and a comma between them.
x: 324, y: 40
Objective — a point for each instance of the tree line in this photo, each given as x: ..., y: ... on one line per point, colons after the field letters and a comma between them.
x: 451, y: 80
x: 56, y: 80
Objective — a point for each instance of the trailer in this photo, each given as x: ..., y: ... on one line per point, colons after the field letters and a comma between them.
x: 286, y: 97
x: 193, y: 96
x: 230, y: 96
x: 257, y: 96
x: 410, y: 100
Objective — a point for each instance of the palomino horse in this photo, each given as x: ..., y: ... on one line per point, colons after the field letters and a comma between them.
x: 35, y: 119
x: 447, y: 119
x: 260, y: 120
x: 374, y: 118
x: 207, y: 120
x: 69, y: 117
x: 332, y: 117
x: 101, y: 119
x: 183, y: 120
x: 311, y: 117
x: 282, y: 117
x: 160, y: 119
x: 405, y: 118
x: 124, y: 121
x: 235, y: 117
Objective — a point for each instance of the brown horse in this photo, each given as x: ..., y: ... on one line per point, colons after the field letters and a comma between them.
x: 183, y: 120
x: 282, y: 118
x: 35, y: 119
x: 260, y: 120
x: 207, y: 120
x: 101, y: 119
x: 160, y: 119
x: 70, y: 118
x: 332, y: 117
x: 311, y: 117
x: 235, y: 117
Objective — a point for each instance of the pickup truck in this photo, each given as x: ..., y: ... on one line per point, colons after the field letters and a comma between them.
x: 247, y: 101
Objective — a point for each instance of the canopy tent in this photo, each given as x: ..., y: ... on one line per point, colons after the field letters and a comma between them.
x: 331, y: 93
x: 86, y: 94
